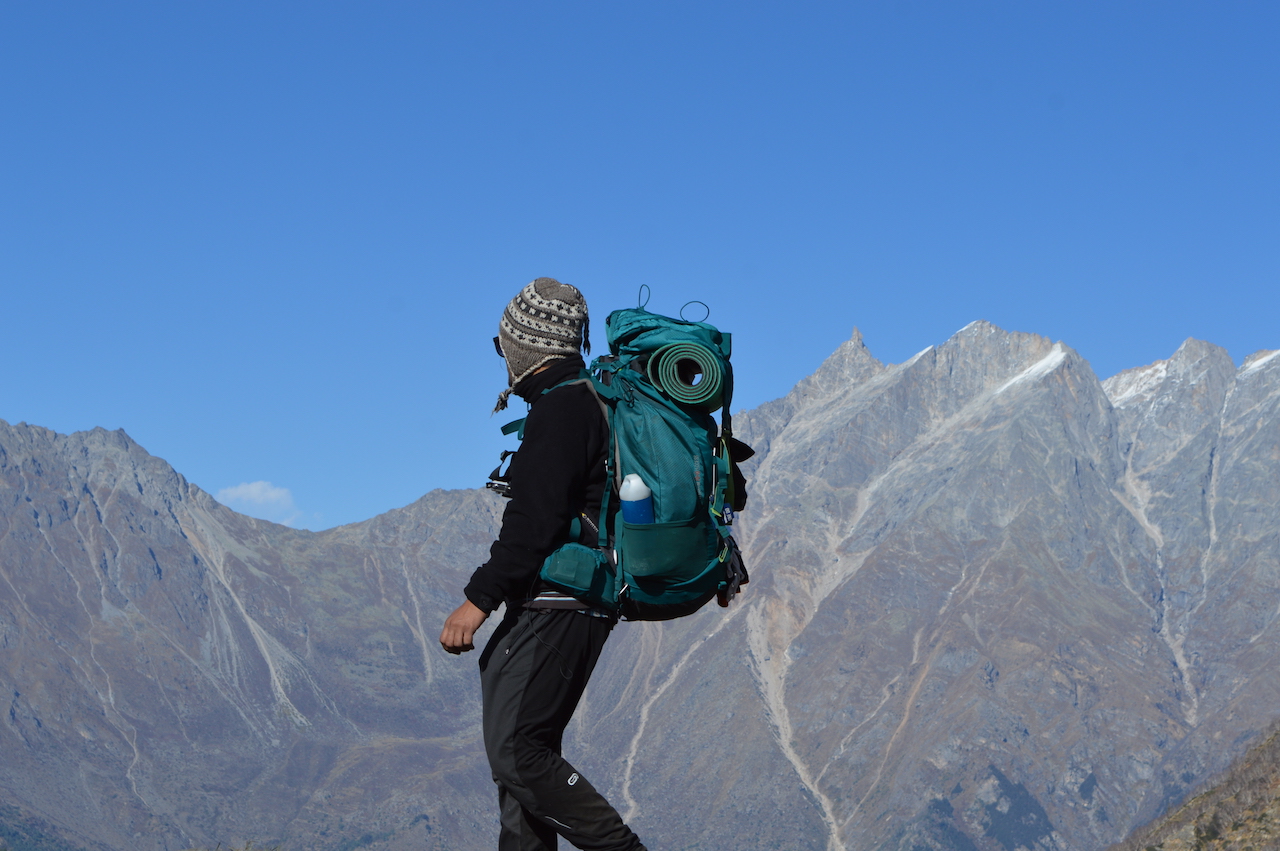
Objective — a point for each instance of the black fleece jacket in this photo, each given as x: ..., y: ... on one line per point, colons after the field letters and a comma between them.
x: 558, y: 472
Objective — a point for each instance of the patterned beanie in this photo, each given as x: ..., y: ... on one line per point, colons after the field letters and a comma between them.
x: 545, y: 322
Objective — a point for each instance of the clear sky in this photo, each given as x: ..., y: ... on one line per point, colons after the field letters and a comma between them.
x: 272, y: 240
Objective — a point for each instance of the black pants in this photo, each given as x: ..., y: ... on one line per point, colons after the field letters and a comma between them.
x: 532, y: 674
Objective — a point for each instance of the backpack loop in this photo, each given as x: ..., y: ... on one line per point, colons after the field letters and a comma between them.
x: 705, y: 316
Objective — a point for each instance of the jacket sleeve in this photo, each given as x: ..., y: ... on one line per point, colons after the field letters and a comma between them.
x: 563, y: 438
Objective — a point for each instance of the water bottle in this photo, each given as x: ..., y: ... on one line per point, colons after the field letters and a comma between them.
x: 637, y: 500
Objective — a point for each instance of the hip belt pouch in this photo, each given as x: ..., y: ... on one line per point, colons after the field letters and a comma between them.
x: 583, y: 572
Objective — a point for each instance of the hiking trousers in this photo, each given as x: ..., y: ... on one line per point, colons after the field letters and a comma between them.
x: 532, y: 674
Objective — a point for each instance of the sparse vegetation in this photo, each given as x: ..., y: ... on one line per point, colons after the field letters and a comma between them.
x: 21, y: 831
x: 1238, y: 809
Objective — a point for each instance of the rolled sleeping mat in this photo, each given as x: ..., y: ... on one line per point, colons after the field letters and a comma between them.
x: 689, y: 374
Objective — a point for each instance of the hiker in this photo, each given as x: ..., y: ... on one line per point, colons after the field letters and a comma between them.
x: 535, y: 667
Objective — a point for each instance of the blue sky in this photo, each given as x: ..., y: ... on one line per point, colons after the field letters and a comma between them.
x: 272, y: 241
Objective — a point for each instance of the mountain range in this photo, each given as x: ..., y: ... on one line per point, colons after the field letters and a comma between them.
x: 996, y: 603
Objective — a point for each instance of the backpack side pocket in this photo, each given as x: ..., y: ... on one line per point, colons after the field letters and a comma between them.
x: 673, y: 552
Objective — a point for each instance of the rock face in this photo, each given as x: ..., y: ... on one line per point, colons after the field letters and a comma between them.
x: 996, y: 603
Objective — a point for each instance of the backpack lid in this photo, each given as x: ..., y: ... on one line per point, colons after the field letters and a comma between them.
x: 635, y: 331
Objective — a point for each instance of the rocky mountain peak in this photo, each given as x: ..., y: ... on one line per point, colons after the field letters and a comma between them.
x: 97, y: 461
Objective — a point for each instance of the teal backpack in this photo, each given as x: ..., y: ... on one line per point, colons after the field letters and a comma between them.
x: 658, y: 388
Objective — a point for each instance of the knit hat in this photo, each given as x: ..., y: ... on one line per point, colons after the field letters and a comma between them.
x: 546, y: 321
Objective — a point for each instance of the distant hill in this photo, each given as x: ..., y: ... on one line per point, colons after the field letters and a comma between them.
x: 996, y: 603
x: 1239, y: 810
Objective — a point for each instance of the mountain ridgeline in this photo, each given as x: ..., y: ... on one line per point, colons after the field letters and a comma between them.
x: 1238, y: 810
x: 996, y: 603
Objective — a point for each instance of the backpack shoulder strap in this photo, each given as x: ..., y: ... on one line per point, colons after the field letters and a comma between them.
x: 598, y: 390
x: 605, y: 396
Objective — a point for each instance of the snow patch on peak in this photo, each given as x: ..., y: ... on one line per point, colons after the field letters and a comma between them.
x: 1257, y: 360
x: 976, y: 325
x: 1135, y: 385
x: 917, y: 356
x: 1039, y: 369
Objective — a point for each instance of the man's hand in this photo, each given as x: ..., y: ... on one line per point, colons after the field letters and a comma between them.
x: 460, y: 627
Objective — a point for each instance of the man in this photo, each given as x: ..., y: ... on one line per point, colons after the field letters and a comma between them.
x: 536, y: 665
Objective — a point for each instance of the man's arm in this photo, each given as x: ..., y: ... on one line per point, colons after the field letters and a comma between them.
x: 460, y: 628
x: 563, y: 441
